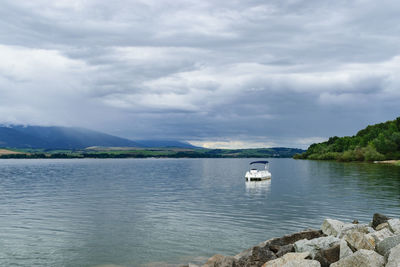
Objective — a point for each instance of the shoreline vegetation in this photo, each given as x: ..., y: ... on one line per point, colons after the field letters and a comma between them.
x: 126, y: 152
x: 336, y: 244
x: 379, y: 142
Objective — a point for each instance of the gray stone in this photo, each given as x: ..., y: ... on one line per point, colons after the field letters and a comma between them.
x: 382, y: 226
x: 292, y: 238
x: 265, y: 251
x: 359, y: 240
x: 361, y: 258
x: 220, y: 261
x: 381, y: 235
x: 393, y: 259
x: 379, y: 219
x: 254, y: 257
x: 362, y: 228
x: 315, y: 245
x: 281, y: 250
x: 394, y: 225
x: 328, y: 256
x: 387, y: 244
x: 345, y: 250
x: 332, y: 227
x: 292, y: 260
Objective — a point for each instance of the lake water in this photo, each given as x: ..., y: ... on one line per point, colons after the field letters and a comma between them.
x: 147, y: 212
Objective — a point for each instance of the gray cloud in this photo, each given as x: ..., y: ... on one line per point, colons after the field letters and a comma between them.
x: 257, y: 73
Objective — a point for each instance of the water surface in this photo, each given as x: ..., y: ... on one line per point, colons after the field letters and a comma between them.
x: 134, y: 212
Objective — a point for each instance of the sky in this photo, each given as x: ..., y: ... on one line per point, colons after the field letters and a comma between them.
x: 227, y: 74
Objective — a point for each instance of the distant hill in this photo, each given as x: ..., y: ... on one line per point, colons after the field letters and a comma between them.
x: 41, y: 137
x: 57, y: 138
x: 375, y: 142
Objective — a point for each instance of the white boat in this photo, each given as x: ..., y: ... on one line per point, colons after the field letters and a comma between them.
x: 255, y: 174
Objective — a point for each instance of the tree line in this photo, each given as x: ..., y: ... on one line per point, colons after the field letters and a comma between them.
x: 375, y: 142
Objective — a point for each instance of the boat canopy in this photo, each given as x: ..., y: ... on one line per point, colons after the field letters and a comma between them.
x: 260, y: 162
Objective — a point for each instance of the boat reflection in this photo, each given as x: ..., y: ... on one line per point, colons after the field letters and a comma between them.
x: 260, y: 187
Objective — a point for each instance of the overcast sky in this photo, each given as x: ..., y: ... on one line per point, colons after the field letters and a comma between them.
x: 217, y: 73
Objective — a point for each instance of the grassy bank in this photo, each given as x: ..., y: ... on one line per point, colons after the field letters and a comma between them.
x: 100, y: 152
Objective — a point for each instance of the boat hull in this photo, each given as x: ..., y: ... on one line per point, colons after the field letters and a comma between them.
x: 256, y: 176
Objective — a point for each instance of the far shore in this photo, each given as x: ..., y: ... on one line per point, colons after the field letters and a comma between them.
x: 394, y: 162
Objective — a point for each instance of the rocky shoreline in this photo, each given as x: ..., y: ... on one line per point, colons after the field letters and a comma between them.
x: 336, y: 244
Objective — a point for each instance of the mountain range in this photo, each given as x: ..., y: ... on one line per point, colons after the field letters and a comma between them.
x: 55, y: 137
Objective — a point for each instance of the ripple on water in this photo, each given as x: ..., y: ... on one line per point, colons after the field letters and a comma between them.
x: 150, y: 212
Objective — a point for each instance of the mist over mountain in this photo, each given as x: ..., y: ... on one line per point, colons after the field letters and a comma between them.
x: 54, y: 137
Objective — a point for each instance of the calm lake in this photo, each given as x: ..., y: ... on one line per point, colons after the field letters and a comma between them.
x: 147, y: 212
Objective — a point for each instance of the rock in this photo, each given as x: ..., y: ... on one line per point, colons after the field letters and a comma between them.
x: 378, y: 219
x: 281, y: 250
x: 382, y: 226
x: 332, y: 227
x: 258, y: 255
x: 362, y: 228
x: 193, y: 265
x: 394, y: 225
x: 255, y: 256
x: 328, y: 256
x: 358, y: 240
x: 381, y: 235
x: 361, y: 258
x: 315, y: 245
x: 292, y: 238
x: 345, y: 250
x: 394, y: 257
x: 220, y: 261
x: 387, y: 244
x: 292, y: 260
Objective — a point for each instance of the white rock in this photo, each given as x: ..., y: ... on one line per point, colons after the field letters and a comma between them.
x: 394, y: 257
x: 362, y: 228
x: 382, y: 226
x: 332, y: 227
x: 344, y: 249
x: 361, y: 258
x: 316, y: 244
x: 387, y: 244
x: 381, y: 235
x: 359, y: 240
x: 293, y: 260
x: 394, y: 225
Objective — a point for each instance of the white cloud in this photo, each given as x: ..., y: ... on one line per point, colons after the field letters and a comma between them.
x: 201, y: 70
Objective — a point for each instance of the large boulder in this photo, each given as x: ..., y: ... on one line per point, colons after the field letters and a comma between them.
x: 349, y: 227
x: 393, y: 259
x: 381, y: 235
x: 316, y: 245
x: 281, y: 250
x: 292, y: 238
x: 361, y: 258
x: 379, y: 219
x: 358, y: 240
x: 255, y: 256
x: 293, y: 260
x: 345, y: 250
x: 272, y: 248
x: 220, y: 261
x: 387, y: 244
x: 332, y: 227
x: 394, y: 225
x: 328, y: 256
